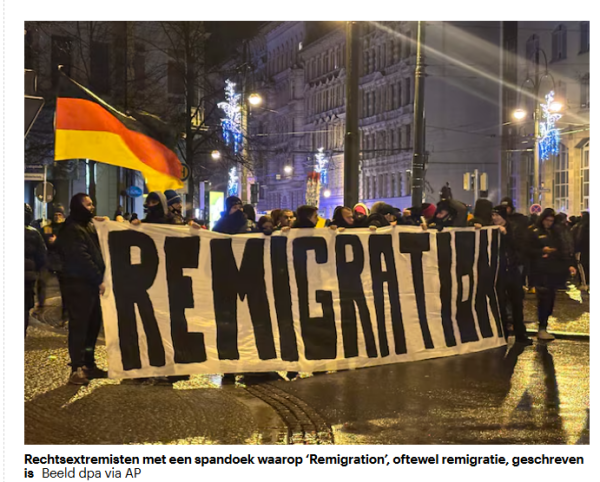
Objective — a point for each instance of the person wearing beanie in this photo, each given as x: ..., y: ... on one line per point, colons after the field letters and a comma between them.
x: 482, y: 213
x: 35, y: 261
x: 551, y: 264
x: 83, y: 275
x: 509, y: 287
x: 233, y: 220
x: 175, y: 207
x: 444, y: 215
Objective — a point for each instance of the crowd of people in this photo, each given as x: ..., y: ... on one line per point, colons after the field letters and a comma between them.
x: 539, y: 253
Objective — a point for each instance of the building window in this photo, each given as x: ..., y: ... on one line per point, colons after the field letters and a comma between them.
x: 585, y: 178
x: 561, y: 180
x: 585, y: 91
x: 559, y: 43
x: 406, y: 91
x: 584, y: 42
x: 393, y: 185
x: 382, y: 189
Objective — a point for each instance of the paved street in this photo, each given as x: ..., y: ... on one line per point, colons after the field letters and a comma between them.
x: 530, y: 395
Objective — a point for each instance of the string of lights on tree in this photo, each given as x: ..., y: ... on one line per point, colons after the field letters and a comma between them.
x: 549, y: 135
x: 322, y: 166
x: 233, y: 183
x: 232, y: 130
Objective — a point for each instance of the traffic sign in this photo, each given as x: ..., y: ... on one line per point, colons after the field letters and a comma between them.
x: 185, y: 171
x: 535, y: 209
x: 49, y: 192
x: 134, y: 191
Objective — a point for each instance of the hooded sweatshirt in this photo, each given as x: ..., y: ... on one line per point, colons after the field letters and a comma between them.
x: 236, y: 223
x: 158, y: 214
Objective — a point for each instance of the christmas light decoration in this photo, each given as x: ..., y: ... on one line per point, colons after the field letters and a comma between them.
x: 232, y: 123
x: 233, y: 185
x: 322, y: 166
x: 549, y: 139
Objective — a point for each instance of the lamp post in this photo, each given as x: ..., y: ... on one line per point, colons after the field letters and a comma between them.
x: 552, y: 107
x: 351, y: 138
x: 418, y: 163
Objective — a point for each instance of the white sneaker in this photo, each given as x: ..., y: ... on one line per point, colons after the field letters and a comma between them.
x: 544, y: 335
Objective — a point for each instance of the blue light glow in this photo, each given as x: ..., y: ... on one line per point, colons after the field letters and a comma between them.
x: 232, y: 123
x: 549, y: 139
x: 233, y: 184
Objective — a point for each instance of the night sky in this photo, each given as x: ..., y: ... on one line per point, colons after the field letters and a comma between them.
x: 225, y: 36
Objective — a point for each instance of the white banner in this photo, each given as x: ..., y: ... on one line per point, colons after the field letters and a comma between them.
x: 182, y: 301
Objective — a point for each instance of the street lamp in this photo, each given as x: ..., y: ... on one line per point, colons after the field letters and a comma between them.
x: 288, y: 169
x: 550, y: 113
x: 326, y: 193
x: 255, y: 99
x: 216, y: 155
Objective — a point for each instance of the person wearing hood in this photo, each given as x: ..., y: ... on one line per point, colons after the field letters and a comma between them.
x: 157, y: 209
x: 444, y: 217
x: 482, y: 214
x: 382, y: 215
x: 233, y: 219
x: 35, y: 260
x: 175, y: 207
x: 551, y: 264
x: 51, y: 233
x: 343, y: 218
x: 360, y: 212
x: 509, y: 287
x: 307, y: 217
x: 83, y: 274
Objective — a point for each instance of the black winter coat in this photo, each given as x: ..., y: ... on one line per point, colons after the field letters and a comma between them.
x: 35, y: 254
x: 552, y: 270
x: 80, y: 252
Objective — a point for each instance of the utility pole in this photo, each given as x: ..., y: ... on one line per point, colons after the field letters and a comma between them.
x: 351, y: 137
x: 418, y: 164
x: 245, y: 187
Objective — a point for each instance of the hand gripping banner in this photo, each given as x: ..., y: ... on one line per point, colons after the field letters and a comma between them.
x: 183, y: 301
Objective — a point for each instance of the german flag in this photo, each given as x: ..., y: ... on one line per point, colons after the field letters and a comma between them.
x: 86, y: 127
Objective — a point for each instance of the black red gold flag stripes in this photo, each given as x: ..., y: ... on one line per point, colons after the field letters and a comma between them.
x: 86, y: 127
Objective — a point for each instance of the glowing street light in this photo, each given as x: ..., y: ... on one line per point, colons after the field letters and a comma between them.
x: 255, y: 99
x: 216, y: 155
x: 519, y: 114
x: 288, y: 169
x: 326, y: 193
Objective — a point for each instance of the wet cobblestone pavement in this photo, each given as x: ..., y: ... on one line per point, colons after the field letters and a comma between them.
x: 527, y: 395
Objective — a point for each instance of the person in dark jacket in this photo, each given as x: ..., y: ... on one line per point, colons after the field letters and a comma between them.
x: 51, y: 233
x: 175, y: 207
x: 307, y: 217
x: 35, y: 260
x: 265, y: 225
x: 509, y: 286
x: 551, y: 265
x: 233, y: 220
x: 83, y: 274
x: 581, y: 238
x: 157, y: 210
x: 343, y: 217
x: 383, y: 215
x: 445, y: 215
x: 482, y: 214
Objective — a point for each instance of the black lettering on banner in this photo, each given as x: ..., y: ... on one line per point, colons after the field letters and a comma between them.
x: 381, y: 244
x: 465, y: 258
x: 130, y: 287
x: 319, y: 334
x: 228, y: 283
x: 183, y: 253
x: 351, y: 292
x: 416, y: 244
x: 444, y: 268
x: 485, y: 286
x: 283, y: 299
